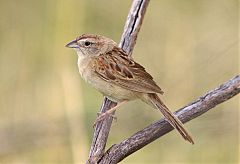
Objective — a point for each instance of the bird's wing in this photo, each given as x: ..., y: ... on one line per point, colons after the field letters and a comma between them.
x: 117, y: 68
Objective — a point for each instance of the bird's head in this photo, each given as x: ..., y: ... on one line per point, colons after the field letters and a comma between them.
x: 91, y: 45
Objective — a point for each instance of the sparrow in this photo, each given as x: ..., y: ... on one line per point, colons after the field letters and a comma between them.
x: 117, y: 76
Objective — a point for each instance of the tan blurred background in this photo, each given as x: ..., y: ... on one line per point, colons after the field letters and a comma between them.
x: 47, y: 110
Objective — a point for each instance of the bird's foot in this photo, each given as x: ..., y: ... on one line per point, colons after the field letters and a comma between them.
x: 102, y: 116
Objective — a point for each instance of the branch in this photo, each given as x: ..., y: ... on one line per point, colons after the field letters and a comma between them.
x: 128, y: 40
x: 154, y: 131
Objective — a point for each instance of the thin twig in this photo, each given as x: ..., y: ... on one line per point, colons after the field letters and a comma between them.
x: 143, y: 137
x: 128, y: 40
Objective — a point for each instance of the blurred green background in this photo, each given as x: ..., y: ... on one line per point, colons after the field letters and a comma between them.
x: 47, y: 110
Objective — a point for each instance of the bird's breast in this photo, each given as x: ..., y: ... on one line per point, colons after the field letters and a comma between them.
x: 107, y: 88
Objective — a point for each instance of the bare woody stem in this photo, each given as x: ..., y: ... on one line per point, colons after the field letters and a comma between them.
x: 118, y: 152
x: 147, y: 135
x: 128, y: 40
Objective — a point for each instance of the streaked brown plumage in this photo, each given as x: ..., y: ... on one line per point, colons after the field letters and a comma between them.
x: 116, y: 75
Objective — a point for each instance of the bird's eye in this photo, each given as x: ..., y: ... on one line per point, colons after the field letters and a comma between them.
x: 87, y: 43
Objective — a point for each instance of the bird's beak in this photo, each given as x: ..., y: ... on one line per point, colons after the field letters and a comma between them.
x: 72, y: 44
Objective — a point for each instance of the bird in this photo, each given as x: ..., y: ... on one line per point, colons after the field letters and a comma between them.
x: 109, y: 69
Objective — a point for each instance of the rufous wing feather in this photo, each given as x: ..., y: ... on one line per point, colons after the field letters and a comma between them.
x: 118, y: 68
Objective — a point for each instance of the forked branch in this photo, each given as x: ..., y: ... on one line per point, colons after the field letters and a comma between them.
x: 118, y: 152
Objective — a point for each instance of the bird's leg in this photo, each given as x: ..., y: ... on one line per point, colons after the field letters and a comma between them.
x: 102, y: 116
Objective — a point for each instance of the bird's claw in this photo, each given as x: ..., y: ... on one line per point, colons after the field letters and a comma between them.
x: 102, y: 116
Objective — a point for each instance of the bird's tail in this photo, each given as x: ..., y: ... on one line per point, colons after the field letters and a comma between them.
x: 173, y: 120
